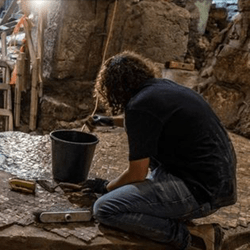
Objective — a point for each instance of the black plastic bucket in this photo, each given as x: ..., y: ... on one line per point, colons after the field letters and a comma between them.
x: 72, y: 155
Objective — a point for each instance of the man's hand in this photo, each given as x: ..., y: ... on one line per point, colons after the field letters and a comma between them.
x: 98, y: 120
x: 96, y: 185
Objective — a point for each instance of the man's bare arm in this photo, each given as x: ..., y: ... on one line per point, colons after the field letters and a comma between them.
x: 136, y: 172
x: 118, y: 121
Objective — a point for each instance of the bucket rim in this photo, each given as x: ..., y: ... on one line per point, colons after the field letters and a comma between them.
x: 76, y: 143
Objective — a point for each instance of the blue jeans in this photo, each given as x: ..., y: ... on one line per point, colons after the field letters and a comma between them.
x: 155, y: 208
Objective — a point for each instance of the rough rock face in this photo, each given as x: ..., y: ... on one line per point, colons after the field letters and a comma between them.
x: 149, y: 30
x: 65, y: 104
x: 199, y: 13
x: 51, y: 35
x: 232, y: 57
x: 243, y: 5
x: 77, y: 34
x: 226, y: 78
x: 75, y: 42
x: 225, y: 102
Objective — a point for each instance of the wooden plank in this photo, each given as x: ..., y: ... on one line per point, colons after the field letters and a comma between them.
x: 40, y: 48
x: 27, y: 77
x: 7, y: 80
x: 34, y: 97
x: 9, y: 120
x: 36, y: 90
x: 30, y: 43
x: 4, y: 86
x: 179, y: 65
x: 5, y: 112
x: 4, y: 52
x: 17, y: 102
x: 9, y: 116
x: 4, y: 45
x: 22, y: 70
x: 5, y: 77
x: 9, y: 12
x: 9, y: 102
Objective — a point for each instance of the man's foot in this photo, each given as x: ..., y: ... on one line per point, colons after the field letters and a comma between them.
x: 206, y: 237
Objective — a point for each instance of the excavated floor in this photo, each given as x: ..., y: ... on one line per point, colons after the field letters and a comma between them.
x: 19, y: 228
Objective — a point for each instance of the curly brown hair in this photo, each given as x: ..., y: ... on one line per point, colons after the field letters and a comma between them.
x: 121, y: 76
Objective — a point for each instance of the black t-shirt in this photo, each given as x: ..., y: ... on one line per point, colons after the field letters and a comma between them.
x: 176, y: 126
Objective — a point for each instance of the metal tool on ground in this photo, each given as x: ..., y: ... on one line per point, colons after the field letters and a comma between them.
x: 24, y: 186
x: 63, y: 216
x: 51, y: 186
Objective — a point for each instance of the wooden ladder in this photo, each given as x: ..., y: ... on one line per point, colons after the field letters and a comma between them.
x: 6, y: 111
x: 5, y: 87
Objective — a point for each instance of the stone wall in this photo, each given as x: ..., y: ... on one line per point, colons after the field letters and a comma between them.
x: 77, y: 31
x: 75, y: 40
x: 52, y: 35
x: 76, y: 37
x: 227, y: 73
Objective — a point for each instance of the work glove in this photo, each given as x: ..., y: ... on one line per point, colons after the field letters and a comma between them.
x: 98, y: 120
x: 96, y: 185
